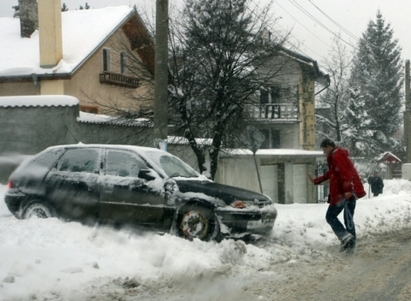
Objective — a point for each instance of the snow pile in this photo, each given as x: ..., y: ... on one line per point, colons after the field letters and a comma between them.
x: 52, y: 260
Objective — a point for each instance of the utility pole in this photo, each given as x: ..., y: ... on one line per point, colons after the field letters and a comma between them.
x: 161, y: 76
x: 407, y: 113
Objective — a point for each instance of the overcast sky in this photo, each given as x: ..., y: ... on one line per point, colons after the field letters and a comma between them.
x: 313, y: 21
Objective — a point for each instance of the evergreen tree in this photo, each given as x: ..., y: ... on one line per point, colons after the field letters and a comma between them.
x: 64, y: 8
x: 377, y: 79
x: 85, y: 7
x: 357, y: 136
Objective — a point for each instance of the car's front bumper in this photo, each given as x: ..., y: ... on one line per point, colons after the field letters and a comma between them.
x: 247, y: 221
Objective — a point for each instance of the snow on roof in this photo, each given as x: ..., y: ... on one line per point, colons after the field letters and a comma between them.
x: 278, y: 152
x: 38, y: 101
x: 388, y: 157
x: 83, y: 32
x: 176, y: 140
x: 101, y: 119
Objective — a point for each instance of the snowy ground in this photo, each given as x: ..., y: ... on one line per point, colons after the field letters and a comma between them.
x: 52, y: 260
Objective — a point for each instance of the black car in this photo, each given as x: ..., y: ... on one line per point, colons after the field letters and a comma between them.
x: 138, y: 186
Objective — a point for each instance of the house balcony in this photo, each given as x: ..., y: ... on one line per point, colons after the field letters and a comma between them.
x: 279, y: 112
x: 119, y: 79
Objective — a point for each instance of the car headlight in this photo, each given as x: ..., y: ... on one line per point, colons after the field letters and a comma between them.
x: 238, y: 204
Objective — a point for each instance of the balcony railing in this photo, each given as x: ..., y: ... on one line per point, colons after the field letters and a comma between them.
x: 119, y: 79
x: 277, y: 111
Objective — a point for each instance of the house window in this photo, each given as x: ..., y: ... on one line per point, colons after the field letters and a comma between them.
x: 106, y: 59
x: 272, y: 139
x: 271, y: 95
x: 275, y: 93
x: 263, y: 96
x: 123, y: 63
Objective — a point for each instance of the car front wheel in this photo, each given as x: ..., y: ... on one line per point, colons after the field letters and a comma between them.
x: 198, y: 222
x: 38, y: 209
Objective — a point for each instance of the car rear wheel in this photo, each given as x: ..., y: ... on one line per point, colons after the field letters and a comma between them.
x: 38, y: 209
x: 198, y: 222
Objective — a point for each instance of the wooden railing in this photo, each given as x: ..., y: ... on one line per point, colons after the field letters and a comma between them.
x: 271, y: 111
x: 119, y: 79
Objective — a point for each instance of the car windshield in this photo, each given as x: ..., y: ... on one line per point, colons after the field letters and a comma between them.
x: 172, y: 165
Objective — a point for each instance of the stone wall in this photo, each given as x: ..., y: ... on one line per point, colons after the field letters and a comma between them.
x: 28, y: 127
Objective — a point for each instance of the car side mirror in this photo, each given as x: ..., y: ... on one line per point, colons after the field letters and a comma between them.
x: 145, y: 174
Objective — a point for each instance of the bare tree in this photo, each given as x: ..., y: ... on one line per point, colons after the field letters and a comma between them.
x: 332, y: 105
x: 222, y: 53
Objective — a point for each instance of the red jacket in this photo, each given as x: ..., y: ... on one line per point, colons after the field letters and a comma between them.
x: 342, y: 175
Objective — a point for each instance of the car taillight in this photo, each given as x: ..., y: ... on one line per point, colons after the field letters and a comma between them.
x: 10, y: 184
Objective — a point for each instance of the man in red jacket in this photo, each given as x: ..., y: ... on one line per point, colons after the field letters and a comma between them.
x: 345, y: 186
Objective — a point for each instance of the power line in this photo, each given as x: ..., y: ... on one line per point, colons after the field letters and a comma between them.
x: 338, y: 25
x: 303, y: 25
x: 289, y: 42
x: 303, y: 10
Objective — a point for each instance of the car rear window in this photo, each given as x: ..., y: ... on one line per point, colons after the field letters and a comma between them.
x: 44, y: 160
x: 49, y: 158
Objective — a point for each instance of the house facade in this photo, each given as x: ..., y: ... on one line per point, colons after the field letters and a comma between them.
x: 103, y: 57
x: 106, y: 72
x: 285, y: 112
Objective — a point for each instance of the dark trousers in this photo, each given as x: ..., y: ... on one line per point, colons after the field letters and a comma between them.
x: 332, y: 218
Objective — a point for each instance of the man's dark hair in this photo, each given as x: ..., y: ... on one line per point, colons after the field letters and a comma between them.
x: 327, y: 142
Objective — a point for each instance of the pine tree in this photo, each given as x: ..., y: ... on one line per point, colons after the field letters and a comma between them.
x: 357, y: 136
x: 377, y: 78
x: 64, y: 7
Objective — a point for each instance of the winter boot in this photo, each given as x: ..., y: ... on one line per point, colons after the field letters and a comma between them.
x: 351, y: 247
x: 343, y: 248
x: 346, y: 241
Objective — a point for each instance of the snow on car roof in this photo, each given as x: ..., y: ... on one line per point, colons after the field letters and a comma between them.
x: 122, y: 146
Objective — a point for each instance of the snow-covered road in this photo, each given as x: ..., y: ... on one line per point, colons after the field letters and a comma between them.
x: 53, y: 260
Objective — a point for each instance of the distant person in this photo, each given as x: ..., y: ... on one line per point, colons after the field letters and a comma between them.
x: 376, y: 184
x: 345, y: 188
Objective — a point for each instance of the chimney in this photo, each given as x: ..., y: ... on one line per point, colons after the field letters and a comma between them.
x: 28, y: 17
x: 50, y: 30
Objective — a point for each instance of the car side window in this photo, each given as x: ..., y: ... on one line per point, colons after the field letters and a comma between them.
x: 79, y: 160
x: 123, y: 164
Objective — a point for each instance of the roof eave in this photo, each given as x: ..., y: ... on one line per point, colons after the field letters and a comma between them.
x: 320, y: 77
x: 119, y: 25
x: 31, y: 77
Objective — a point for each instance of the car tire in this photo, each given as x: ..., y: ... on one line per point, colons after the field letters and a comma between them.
x: 200, y: 222
x: 38, y: 209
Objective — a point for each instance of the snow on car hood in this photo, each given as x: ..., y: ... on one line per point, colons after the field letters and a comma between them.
x: 219, y: 191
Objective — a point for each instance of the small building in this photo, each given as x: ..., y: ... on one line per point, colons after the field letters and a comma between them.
x: 103, y: 57
x: 393, y: 164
